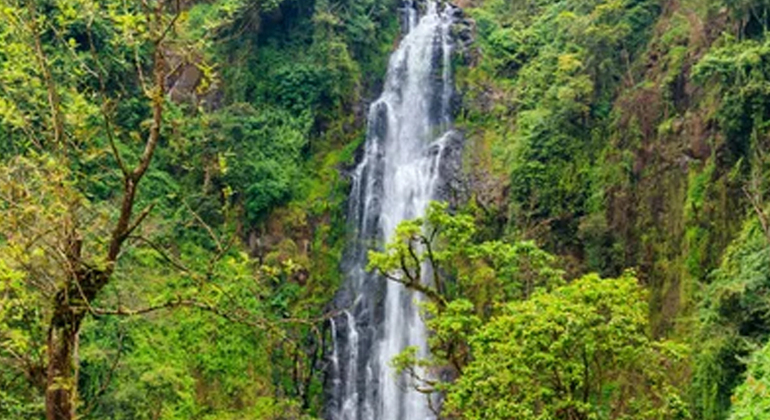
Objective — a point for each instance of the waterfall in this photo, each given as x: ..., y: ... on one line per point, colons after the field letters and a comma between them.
x: 409, y: 140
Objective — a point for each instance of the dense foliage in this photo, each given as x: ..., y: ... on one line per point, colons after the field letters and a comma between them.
x: 751, y: 397
x: 173, y: 191
x: 634, y: 134
x: 143, y: 148
x: 533, y: 348
x: 580, y: 351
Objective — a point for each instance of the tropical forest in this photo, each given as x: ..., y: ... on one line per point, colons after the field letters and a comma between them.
x: 385, y: 209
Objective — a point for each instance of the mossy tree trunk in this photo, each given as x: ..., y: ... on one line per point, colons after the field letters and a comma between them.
x: 61, y: 377
x: 73, y: 300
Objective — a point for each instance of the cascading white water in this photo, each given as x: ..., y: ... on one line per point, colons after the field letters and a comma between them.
x: 409, y: 127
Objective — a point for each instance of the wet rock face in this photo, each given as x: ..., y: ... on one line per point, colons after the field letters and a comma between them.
x: 187, y: 83
x: 450, y: 187
x: 463, y: 33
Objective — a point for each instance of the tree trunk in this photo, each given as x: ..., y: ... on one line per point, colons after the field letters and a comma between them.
x: 62, y: 343
x: 61, y: 378
x: 72, y: 301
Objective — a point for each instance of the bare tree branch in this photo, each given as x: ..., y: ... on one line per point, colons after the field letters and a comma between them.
x: 143, y: 215
x: 54, y: 101
x: 171, y: 24
x: 205, y: 225
x: 163, y: 254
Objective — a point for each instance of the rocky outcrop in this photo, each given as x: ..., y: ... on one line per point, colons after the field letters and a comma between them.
x: 189, y: 81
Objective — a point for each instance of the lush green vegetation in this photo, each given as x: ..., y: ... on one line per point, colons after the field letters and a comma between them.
x: 172, y: 202
x: 518, y: 341
x: 633, y: 135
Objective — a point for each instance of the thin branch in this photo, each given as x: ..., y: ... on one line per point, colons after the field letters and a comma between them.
x: 170, y: 24
x: 143, y: 215
x: 113, y: 145
x: 218, y: 256
x: 205, y: 225
x: 433, y: 264
x: 158, y: 98
x: 140, y: 72
x: 176, y: 264
x: 416, y: 259
x: 131, y: 182
x: 178, y: 302
x: 104, y: 108
x: 97, y: 312
x: 431, y: 293
x: 434, y: 232
x: 71, y: 50
x: 54, y: 101
x: 82, y: 293
x: 413, y: 278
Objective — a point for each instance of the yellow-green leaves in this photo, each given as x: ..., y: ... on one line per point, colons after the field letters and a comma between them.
x: 751, y: 400
x: 485, y: 272
x: 578, y: 351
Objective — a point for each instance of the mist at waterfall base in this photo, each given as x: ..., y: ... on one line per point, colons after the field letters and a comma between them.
x: 407, y: 156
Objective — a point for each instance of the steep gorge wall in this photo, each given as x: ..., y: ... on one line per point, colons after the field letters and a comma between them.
x: 647, y: 163
x: 631, y: 134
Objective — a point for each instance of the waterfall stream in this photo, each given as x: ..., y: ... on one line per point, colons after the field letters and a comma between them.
x: 409, y: 130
